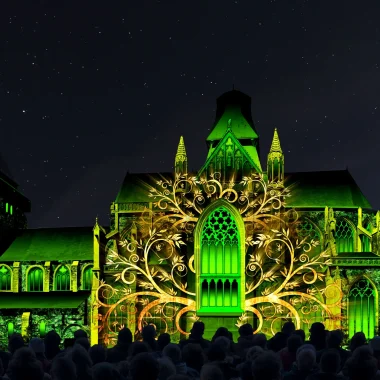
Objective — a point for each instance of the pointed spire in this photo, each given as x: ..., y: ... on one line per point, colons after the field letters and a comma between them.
x: 276, y: 146
x: 180, y: 164
x: 275, y: 165
x: 181, y: 150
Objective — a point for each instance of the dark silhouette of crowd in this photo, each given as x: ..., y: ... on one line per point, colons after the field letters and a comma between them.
x: 287, y: 355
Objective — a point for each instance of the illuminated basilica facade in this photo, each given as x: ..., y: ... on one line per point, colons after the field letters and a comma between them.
x: 234, y: 242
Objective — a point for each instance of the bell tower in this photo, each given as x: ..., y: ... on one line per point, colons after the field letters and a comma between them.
x: 233, y: 143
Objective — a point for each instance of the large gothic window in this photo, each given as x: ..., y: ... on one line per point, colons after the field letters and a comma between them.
x: 362, y: 309
x: 220, y: 275
x: 35, y: 280
x: 344, y: 236
x: 5, y: 278
x: 62, y: 278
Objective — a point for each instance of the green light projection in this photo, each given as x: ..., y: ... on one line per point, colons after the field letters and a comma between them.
x: 344, y: 236
x: 362, y: 309
x: 35, y: 280
x: 366, y: 240
x: 87, y: 278
x: 11, y: 328
x: 158, y: 274
x: 62, y: 278
x: 219, y: 267
x: 5, y: 278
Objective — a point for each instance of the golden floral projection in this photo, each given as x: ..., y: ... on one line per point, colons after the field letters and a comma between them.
x: 287, y: 276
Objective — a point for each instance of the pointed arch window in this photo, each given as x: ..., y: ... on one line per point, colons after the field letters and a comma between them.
x: 35, y: 280
x: 220, y: 281
x: 366, y: 240
x: 62, y: 278
x: 5, y: 278
x: 362, y: 309
x: 344, y: 236
x: 87, y: 278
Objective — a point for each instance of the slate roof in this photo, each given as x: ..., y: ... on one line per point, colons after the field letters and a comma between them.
x: 51, y: 244
x: 335, y: 189
x: 135, y: 189
x: 236, y: 106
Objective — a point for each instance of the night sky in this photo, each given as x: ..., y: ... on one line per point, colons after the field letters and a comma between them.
x: 91, y: 90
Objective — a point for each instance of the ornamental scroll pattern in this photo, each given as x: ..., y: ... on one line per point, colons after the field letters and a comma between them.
x: 154, y: 270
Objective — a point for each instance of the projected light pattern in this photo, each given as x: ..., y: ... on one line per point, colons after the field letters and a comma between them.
x: 207, y: 247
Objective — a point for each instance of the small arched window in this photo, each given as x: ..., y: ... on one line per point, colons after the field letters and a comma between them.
x: 362, y: 309
x: 5, y: 278
x: 35, y: 280
x: 344, y: 236
x: 62, y: 278
x: 87, y: 278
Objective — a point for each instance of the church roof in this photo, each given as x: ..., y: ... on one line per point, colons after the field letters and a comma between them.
x: 51, y: 244
x: 135, y: 187
x: 335, y: 189
x: 235, y: 106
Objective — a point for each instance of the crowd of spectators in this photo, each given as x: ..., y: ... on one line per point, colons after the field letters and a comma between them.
x: 288, y: 355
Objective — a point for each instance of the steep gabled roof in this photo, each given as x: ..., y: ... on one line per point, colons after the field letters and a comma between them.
x: 250, y: 152
x: 336, y: 189
x: 235, y: 106
x: 135, y: 187
x: 51, y: 244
